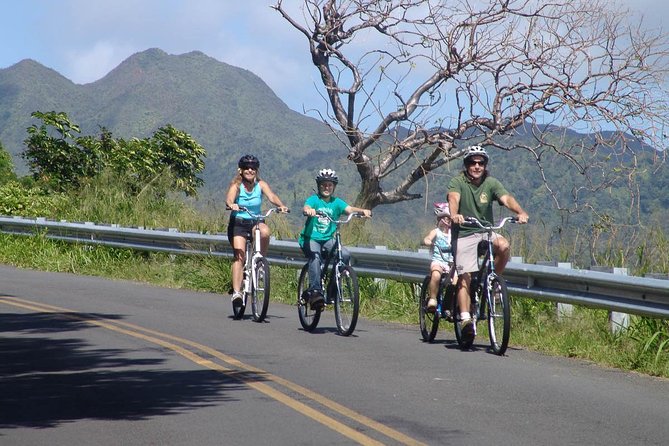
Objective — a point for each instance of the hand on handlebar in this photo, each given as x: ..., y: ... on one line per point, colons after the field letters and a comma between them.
x: 458, y: 219
x: 522, y: 218
x: 310, y: 212
x: 232, y: 207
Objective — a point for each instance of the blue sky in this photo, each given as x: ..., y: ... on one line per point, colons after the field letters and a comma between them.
x: 84, y: 39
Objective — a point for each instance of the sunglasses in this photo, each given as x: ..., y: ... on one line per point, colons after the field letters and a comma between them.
x: 249, y: 168
x: 480, y: 163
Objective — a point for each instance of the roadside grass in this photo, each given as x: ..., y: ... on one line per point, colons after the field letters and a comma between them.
x: 643, y: 347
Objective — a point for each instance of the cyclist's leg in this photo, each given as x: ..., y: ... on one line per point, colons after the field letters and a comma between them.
x: 312, y: 249
x: 433, y: 287
x: 264, y: 238
x: 466, y: 262
x: 238, y: 248
x: 501, y: 251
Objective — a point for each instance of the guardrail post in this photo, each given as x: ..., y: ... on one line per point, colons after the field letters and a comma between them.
x: 564, y: 310
x: 617, y: 321
x: 380, y: 282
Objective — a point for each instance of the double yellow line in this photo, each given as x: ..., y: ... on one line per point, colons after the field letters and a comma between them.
x: 189, y: 350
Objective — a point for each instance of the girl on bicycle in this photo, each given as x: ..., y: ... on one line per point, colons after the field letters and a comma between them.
x: 316, y: 236
x: 246, y: 189
x: 439, y: 239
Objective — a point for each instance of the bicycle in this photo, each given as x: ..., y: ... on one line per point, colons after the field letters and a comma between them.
x: 340, y: 286
x: 488, y: 293
x: 256, y: 279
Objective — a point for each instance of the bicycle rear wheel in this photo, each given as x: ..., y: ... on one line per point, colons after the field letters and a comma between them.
x: 499, y: 315
x: 347, y: 300
x: 308, y: 318
x: 260, y: 292
x: 429, y: 322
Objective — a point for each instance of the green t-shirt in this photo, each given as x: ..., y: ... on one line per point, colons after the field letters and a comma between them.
x: 320, y: 228
x: 476, y: 201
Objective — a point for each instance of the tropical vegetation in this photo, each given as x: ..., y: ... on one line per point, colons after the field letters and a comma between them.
x: 157, y: 201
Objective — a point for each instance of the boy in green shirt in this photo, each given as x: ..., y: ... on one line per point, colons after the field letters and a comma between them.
x: 316, y: 237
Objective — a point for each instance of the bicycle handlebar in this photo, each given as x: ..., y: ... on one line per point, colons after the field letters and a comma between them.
x: 473, y: 221
x: 346, y: 220
x: 257, y: 216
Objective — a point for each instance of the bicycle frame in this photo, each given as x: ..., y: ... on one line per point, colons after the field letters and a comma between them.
x: 488, y: 298
x: 487, y: 267
x: 334, y: 256
x: 339, y: 284
x: 254, y: 262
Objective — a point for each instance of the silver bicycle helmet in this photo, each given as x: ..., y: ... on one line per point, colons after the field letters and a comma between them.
x: 327, y: 175
x: 476, y: 151
x: 442, y: 210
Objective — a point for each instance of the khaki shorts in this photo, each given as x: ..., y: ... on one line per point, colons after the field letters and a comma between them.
x: 466, y: 252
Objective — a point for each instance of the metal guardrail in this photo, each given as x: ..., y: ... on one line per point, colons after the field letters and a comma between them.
x: 634, y: 295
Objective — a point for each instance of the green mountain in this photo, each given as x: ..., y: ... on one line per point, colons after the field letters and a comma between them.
x: 231, y: 111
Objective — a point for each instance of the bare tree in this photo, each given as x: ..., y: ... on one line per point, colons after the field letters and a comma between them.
x: 411, y: 83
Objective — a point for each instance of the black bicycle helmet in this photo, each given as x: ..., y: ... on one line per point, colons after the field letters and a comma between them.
x: 475, y: 151
x: 249, y: 161
x: 327, y: 175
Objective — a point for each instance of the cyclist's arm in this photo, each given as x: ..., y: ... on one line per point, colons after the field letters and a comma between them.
x: 271, y: 196
x: 352, y: 209
x: 454, y: 206
x: 429, y: 238
x: 231, y: 196
x: 309, y: 211
x: 509, y: 202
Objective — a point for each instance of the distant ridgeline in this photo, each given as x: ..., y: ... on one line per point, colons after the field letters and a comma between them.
x: 230, y: 111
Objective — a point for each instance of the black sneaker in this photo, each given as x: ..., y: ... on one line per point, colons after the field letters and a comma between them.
x: 316, y: 300
x: 468, y: 331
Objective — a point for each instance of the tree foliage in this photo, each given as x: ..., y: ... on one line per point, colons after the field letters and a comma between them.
x: 6, y: 166
x: 413, y: 82
x: 64, y: 161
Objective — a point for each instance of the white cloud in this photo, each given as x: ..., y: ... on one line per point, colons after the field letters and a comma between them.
x: 92, y: 63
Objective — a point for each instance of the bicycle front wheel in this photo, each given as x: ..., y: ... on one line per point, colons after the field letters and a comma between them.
x: 347, y: 301
x: 429, y: 322
x: 499, y: 315
x: 308, y: 318
x: 260, y: 292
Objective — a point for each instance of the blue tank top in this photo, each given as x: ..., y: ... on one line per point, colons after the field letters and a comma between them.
x: 442, y: 250
x: 250, y: 200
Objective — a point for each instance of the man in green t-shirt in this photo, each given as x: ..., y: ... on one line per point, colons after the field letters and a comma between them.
x: 318, y: 232
x: 471, y: 194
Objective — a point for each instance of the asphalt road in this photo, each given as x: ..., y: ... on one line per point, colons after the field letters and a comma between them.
x: 88, y: 361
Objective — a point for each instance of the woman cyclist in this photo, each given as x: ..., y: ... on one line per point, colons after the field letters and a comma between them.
x: 246, y: 189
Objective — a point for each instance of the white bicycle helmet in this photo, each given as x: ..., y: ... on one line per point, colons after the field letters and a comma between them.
x: 476, y: 151
x: 327, y: 175
x: 442, y: 210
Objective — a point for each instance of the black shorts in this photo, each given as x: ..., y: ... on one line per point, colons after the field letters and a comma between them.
x: 239, y: 227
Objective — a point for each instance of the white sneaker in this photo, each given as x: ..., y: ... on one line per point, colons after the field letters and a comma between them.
x: 237, y: 299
